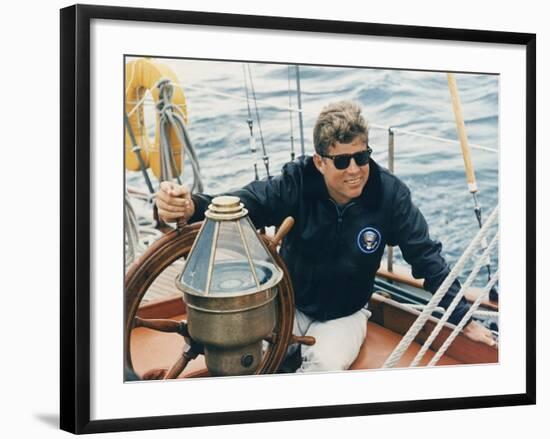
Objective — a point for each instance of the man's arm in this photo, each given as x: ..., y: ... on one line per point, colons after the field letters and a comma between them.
x: 410, y: 232
x: 269, y: 201
x: 173, y: 202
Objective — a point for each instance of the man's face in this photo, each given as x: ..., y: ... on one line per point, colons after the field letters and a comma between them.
x: 346, y: 184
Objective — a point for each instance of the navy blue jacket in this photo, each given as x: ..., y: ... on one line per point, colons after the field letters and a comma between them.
x: 333, y: 252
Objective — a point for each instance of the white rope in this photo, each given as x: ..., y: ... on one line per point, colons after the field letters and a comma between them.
x: 421, y: 307
x: 149, y: 101
x: 473, y: 307
x: 486, y: 314
x: 407, y: 339
x: 480, y: 314
x: 479, y: 263
x: 138, y: 104
x: 440, y: 139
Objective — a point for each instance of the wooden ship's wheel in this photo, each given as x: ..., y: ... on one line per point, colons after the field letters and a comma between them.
x: 159, y: 256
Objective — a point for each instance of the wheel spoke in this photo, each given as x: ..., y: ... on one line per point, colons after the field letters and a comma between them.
x: 188, y: 354
x: 163, y: 325
x: 305, y: 340
x: 154, y: 374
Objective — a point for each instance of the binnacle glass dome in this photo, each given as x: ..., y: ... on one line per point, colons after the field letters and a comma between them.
x: 228, y: 257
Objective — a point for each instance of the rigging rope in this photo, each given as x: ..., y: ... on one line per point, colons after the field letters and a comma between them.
x: 427, y: 136
x: 250, y: 122
x: 481, y: 314
x: 264, y: 151
x: 421, y: 307
x: 473, y: 307
x: 467, y: 284
x: 137, y: 151
x: 415, y: 328
x: 486, y: 314
x: 301, y: 119
x: 292, y: 153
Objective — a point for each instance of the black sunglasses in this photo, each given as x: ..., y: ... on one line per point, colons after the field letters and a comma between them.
x: 342, y: 161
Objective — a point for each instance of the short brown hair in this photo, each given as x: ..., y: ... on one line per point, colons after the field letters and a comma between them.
x: 338, y: 122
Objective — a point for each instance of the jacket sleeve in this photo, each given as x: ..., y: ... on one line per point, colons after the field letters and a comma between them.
x: 269, y: 201
x: 410, y: 232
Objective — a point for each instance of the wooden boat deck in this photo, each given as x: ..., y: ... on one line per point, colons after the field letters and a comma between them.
x: 160, y: 350
x: 384, y: 331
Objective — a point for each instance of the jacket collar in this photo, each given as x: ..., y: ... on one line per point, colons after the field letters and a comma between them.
x: 315, y: 187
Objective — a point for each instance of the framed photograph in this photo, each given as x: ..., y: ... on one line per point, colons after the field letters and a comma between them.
x: 276, y: 218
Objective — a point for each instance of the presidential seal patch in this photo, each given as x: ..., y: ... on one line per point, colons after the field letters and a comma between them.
x: 368, y: 240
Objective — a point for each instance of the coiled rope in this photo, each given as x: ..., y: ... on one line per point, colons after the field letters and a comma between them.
x: 415, y: 328
x: 171, y: 115
x: 140, y: 230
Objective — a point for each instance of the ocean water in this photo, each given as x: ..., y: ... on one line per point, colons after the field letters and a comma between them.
x: 416, y: 101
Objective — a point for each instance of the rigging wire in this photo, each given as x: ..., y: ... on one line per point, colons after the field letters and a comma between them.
x: 137, y: 150
x: 264, y: 151
x: 267, y: 103
x: 250, y: 122
x: 292, y: 153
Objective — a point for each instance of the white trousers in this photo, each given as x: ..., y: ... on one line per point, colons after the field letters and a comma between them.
x: 337, y: 343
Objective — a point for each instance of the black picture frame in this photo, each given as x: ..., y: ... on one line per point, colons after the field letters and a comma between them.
x: 75, y: 216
